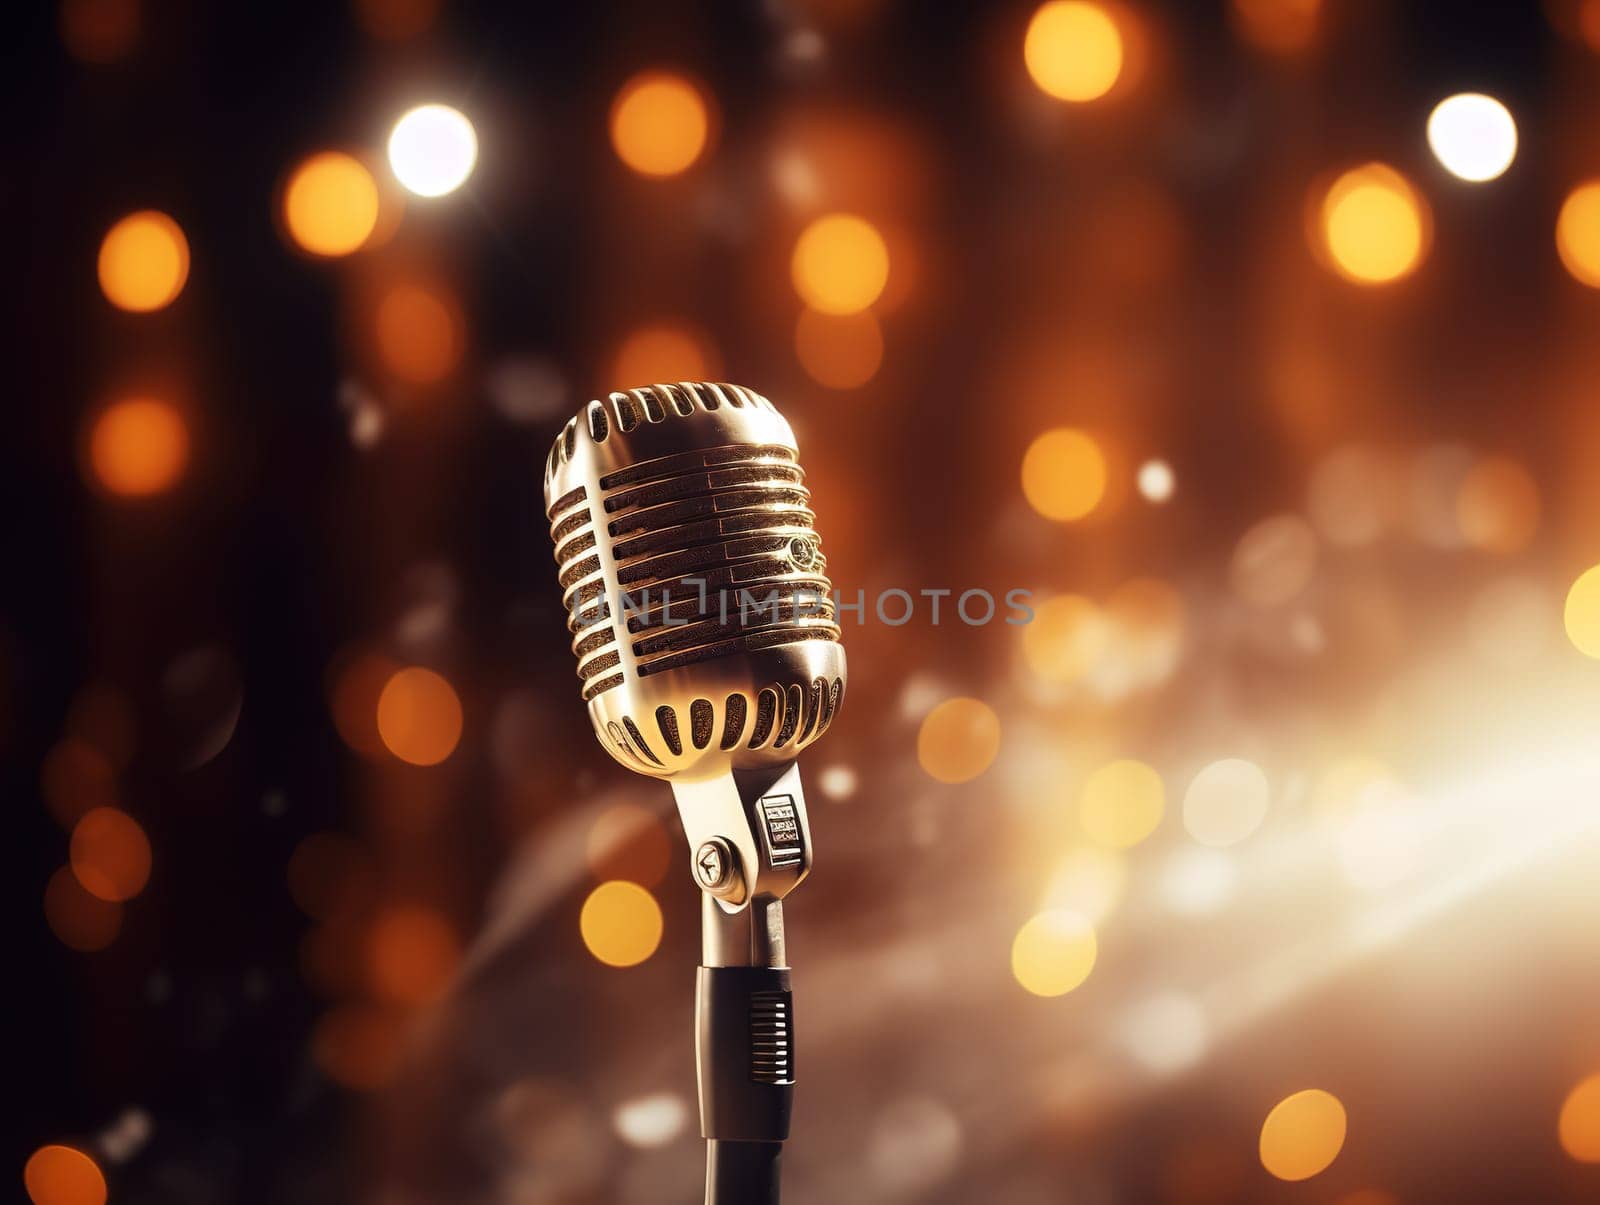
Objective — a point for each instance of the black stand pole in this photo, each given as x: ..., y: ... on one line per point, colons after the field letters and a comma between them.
x: 744, y: 1046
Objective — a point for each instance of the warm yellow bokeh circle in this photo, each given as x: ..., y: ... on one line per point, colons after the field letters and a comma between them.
x: 1303, y: 1134
x: 1374, y: 225
x: 1073, y: 50
x: 144, y: 262
x: 1064, y: 474
x: 620, y: 923
x: 840, y: 264
x: 659, y: 123
x: 331, y: 204
x: 958, y: 740
x: 1054, y: 952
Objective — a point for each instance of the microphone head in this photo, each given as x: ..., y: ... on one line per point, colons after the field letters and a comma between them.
x: 693, y: 578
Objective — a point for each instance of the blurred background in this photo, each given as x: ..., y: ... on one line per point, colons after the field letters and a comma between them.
x: 1257, y: 339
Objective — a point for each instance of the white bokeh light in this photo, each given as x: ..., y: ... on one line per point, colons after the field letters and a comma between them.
x: 1156, y: 481
x: 433, y: 150
x: 1473, y: 136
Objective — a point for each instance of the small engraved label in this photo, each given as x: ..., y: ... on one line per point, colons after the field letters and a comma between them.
x: 781, y: 823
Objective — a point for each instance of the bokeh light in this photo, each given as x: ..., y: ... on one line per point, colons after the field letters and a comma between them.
x: 419, y: 334
x: 1303, y: 1134
x: 81, y: 921
x: 1166, y: 1032
x: 1066, y: 639
x: 839, y: 351
x: 1156, y: 481
x: 144, y: 262
x: 110, y: 854
x: 432, y: 150
x: 63, y: 1175
x: 358, y: 1045
x: 138, y: 447
x: 620, y: 923
x: 74, y: 779
x: 1089, y: 881
x: 1579, y: 1124
x: 958, y: 740
x: 1582, y: 614
x: 1278, y: 26
x: 1053, y: 952
x: 1374, y: 225
x: 1473, y: 136
x: 1274, y: 561
x: 356, y: 679
x: 100, y: 31
x: 412, y: 953
x: 662, y: 351
x: 629, y: 842
x: 1226, y: 802
x: 1064, y: 474
x: 419, y: 716
x: 648, y: 1122
x: 331, y: 204
x: 1121, y: 804
x: 1073, y: 50
x: 660, y: 123
x: 1497, y: 508
x: 840, y: 264
x: 1578, y: 233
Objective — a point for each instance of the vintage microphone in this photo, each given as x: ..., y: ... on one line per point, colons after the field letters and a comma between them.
x: 709, y: 653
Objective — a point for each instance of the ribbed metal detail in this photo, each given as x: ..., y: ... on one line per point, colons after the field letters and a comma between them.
x: 772, y: 1037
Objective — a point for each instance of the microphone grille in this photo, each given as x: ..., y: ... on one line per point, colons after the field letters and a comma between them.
x: 693, y: 578
x: 718, y: 541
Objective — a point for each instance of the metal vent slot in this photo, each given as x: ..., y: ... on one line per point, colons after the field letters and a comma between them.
x: 572, y: 523
x: 772, y: 1037
x: 577, y: 572
x: 569, y: 439
x: 595, y: 665
x: 766, y: 712
x: 693, y: 392
x: 569, y: 499
x: 793, y: 705
x: 818, y: 692
x: 677, y: 564
x: 781, y: 504
x: 733, y: 723
x: 576, y: 597
x: 652, y: 405
x: 620, y: 741
x: 708, y: 396
x: 587, y: 617
x: 579, y: 543
x: 670, y: 466
x: 592, y: 642
x: 700, y: 723
x: 627, y: 411
x: 638, y: 740
x: 599, y: 428
x: 601, y: 686
x: 719, y: 590
x: 767, y: 639
x: 681, y: 401
x: 667, y: 721
x: 677, y: 636
x: 709, y: 531
x: 776, y: 479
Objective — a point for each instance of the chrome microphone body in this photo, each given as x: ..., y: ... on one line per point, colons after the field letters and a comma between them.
x: 708, y: 652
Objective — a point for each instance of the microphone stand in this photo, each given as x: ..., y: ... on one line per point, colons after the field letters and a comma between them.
x: 752, y: 845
